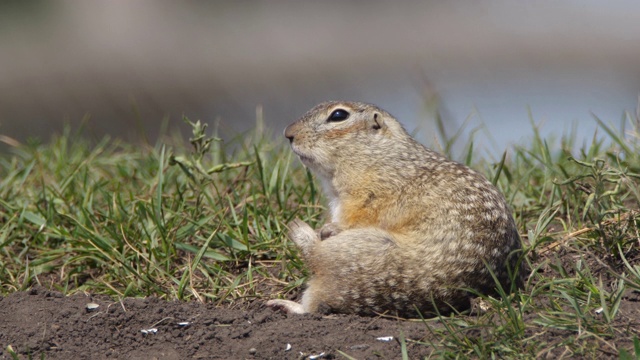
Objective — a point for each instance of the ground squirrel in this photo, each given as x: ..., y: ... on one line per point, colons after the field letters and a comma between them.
x: 409, y: 228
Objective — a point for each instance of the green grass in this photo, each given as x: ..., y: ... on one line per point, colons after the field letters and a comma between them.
x: 133, y: 221
x: 206, y: 222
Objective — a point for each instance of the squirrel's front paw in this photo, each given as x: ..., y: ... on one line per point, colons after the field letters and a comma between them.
x: 328, y: 230
x: 302, y: 235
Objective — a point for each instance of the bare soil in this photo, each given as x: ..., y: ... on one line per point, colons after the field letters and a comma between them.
x: 46, y: 322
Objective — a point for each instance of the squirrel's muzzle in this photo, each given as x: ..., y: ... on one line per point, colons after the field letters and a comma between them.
x: 288, y: 133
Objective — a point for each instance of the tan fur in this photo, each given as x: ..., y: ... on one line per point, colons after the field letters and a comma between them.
x: 409, y: 229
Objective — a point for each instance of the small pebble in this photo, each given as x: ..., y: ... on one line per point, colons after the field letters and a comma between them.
x: 253, y: 351
x: 385, y: 338
x: 599, y: 311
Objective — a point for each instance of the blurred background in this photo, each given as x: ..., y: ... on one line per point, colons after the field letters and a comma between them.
x: 124, y: 66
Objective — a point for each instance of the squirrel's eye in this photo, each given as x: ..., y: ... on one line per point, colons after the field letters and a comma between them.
x: 338, y: 115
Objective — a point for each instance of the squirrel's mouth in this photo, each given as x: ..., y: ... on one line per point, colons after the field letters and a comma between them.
x: 306, y: 159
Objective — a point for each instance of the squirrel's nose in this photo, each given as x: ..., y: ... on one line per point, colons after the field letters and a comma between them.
x: 288, y: 133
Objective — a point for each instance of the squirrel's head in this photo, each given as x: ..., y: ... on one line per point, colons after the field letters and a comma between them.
x: 339, y: 135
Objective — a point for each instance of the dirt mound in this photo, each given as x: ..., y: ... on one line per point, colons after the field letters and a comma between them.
x: 46, y: 322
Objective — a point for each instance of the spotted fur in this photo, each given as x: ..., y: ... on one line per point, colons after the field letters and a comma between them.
x: 414, y: 228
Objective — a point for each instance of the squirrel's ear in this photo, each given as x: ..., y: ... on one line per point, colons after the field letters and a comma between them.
x: 377, y: 122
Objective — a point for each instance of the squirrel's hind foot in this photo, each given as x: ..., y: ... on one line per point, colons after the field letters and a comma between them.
x: 290, y: 307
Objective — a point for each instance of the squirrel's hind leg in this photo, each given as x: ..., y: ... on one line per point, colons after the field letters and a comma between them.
x: 305, y: 238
